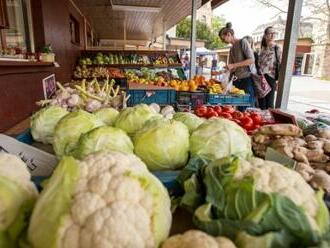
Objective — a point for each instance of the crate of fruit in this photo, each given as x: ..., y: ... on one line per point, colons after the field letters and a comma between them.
x: 237, y: 100
x: 193, y: 99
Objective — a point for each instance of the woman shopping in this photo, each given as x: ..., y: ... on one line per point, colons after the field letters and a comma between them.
x: 241, y: 60
x: 269, y: 64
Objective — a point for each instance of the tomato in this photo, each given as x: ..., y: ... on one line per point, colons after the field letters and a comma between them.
x: 255, y: 126
x: 228, y: 109
x: 247, y: 122
x: 237, y: 115
x: 226, y: 115
x: 217, y: 109
x: 237, y: 121
x: 257, y: 119
x: 212, y: 114
x: 201, y: 111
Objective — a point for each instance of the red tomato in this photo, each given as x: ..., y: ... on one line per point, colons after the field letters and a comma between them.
x: 256, y: 126
x: 212, y: 114
x: 226, y: 115
x: 247, y: 122
x: 237, y: 121
x: 217, y: 109
x: 237, y: 115
x: 257, y: 119
x: 228, y: 109
x: 201, y: 111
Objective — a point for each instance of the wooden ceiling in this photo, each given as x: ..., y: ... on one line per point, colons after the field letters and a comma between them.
x: 140, y: 25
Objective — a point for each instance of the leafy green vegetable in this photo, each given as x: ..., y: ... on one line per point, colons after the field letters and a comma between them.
x: 69, y: 128
x: 163, y: 144
x: 133, y: 118
x: 44, y: 121
x: 107, y: 115
x: 190, y: 120
x: 101, y: 139
x: 217, y: 138
x: 260, y: 203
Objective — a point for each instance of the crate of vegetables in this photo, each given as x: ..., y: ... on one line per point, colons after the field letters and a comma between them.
x: 237, y: 100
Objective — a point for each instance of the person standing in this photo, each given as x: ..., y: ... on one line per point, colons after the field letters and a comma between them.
x: 269, y: 64
x: 241, y: 61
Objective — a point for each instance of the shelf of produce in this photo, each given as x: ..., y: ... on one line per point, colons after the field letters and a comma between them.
x: 138, y: 65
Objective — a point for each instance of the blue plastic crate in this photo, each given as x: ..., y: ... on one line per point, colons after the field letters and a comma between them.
x: 193, y: 99
x: 25, y: 137
x: 162, y: 97
x: 244, y: 100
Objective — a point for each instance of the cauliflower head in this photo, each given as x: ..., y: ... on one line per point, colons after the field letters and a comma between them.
x: 17, y: 197
x: 197, y: 239
x: 109, y: 199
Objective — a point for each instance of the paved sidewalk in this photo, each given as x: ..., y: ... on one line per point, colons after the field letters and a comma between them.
x: 307, y: 93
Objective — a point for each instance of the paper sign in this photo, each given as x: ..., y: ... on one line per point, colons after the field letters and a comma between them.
x: 273, y: 155
x: 39, y: 163
x: 49, y: 86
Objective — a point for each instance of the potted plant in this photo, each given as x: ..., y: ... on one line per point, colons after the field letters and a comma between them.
x: 47, y: 54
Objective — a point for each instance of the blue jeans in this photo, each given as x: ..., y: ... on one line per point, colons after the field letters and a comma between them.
x: 247, y: 85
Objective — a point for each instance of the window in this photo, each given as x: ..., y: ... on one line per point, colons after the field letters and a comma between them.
x: 203, y: 18
x: 17, y: 34
x: 74, y: 30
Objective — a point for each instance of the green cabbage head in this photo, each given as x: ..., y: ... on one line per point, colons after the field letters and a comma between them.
x: 103, y: 138
x: 68, y: 130
x: 190, y: 120
x: 163, y: 144
x: 217, y: 138
x: 109, y: 199
x: 44, y: 121
x: 107, y: 115
x: 132, y: 119
x: 17, y: 197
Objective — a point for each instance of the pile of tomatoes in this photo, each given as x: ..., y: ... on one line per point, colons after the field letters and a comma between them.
x: 247, y: 120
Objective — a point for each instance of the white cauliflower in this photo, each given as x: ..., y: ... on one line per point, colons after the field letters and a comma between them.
x: 17, y: 197
x: 109, y: 199
x: 197, y: 239
x: 273, y: 177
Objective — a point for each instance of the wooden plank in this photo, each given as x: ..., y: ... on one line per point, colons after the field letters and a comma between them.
x: 18, y: 128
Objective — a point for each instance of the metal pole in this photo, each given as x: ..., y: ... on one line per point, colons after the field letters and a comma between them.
x: 164, y: 35
x: 193, y: 39
x: 289, y: 52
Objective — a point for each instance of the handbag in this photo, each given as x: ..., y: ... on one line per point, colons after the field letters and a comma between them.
x: 261, y: 85
x: 277, y: 63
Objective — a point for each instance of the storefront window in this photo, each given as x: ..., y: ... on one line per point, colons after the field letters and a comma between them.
x: 16, y: 36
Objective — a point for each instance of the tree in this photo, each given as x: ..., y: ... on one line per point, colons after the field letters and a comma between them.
x: 319, y: 11
x: 203, y: 32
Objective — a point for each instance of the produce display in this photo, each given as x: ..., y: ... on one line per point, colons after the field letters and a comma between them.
x: 311, y: 152
x: 111, y: 58
x: 255, y: 203
x: 250, y: 121
x: 88, y: 95
x: 106, y: 200
x: 83, y: 71
x: 103, y: 192
x: 17, y: 197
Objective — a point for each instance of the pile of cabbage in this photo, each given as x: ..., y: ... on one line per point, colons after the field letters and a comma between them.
x: 163, y: 139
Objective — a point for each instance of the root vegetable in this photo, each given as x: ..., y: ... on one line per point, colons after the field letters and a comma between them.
x: 281, y: 129
x: 93, y: 105
x: 261, y: 138
x: 300, y: 155
x: 73, y: 100
x: 324, y: 133
x: 305, y: 170
x: 315, y: 145
x: 321, y: 179
x: 316, y: 156
x: 326, y: 146
x: 310, y: 138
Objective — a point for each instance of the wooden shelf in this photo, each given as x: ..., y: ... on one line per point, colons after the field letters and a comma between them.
x: 24, y: 63
x: 137, y: 65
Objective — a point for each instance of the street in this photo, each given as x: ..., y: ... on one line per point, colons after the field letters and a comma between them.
x: 307, y: 93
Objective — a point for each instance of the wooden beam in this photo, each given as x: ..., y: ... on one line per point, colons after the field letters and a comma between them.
x: 289, y: 51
